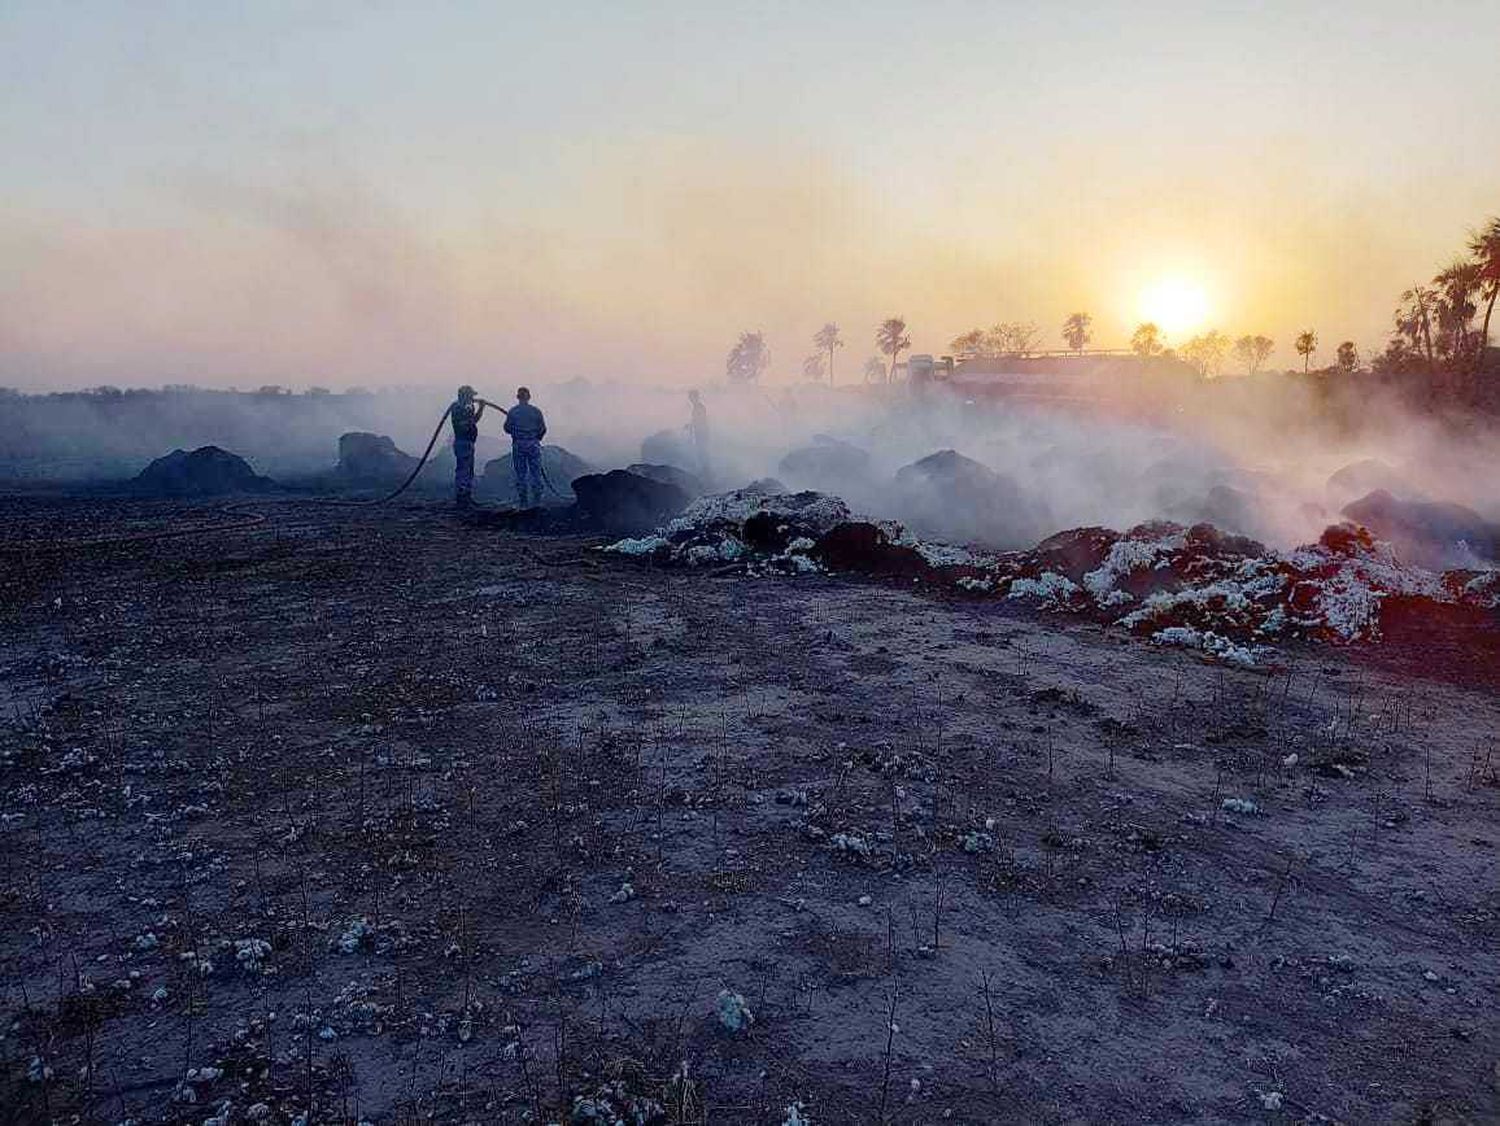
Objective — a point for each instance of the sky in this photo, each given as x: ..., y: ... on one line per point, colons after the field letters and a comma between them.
x: 379, y: 193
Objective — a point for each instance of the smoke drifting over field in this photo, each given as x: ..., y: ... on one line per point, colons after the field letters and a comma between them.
x: 1256, y: 457
x: 1250, y: 460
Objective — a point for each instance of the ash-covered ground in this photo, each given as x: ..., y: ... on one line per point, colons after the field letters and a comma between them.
x: 376, y: 815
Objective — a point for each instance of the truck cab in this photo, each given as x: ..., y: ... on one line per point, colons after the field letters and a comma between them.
x: 922, y: 369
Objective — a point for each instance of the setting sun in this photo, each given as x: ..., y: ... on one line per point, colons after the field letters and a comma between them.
x: 1177, y: 306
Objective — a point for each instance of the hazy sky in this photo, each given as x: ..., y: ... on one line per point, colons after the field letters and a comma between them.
x: 380, y: 192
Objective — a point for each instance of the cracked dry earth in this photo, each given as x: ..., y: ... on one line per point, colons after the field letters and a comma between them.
x: 373, y: 816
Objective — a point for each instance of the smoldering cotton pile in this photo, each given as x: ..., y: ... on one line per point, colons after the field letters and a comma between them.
x: 1224, y: 595
x: 760, y: 525
x: 730, y: 512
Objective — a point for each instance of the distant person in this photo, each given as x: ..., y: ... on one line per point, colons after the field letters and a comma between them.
x: 698, y: 431
x: 465, y: 414
x: 526, y: 427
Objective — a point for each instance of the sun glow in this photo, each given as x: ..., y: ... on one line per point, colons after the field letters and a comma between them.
x: 1176, y: 305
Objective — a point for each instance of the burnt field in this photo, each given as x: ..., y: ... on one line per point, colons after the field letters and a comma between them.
x: 358, y: 815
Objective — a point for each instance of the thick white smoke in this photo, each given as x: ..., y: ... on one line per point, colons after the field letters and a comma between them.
x: 1261, y: 457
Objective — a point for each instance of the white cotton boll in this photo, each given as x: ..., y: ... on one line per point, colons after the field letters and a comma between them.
x: 734, y: 1014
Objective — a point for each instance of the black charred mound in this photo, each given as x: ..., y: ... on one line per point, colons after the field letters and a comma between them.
x: 624, y: 503
x: 207, y: 471
x: 668, y: 447
x: 1359, y: 478
x: 1425, y: 533
x: 949, y: 495
x: 866, y: 549
x: 372, y: 458
x: 1223, y: 506
x: 669, y: 475
x: 949, y: 471
x: 828, y: 464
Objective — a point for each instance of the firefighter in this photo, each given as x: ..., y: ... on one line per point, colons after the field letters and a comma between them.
x: 465, y: 414
x: 526, y: 427
x: 698, y: 431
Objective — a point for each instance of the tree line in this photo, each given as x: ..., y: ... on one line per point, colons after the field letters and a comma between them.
x: 751, y: 356
x: 1442, y: 327
x: 1441, y: 330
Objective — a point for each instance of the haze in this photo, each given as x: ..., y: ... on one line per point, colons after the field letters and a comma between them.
x: 378, y: 193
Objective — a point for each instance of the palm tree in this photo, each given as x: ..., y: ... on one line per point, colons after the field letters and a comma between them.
x: 1485, y: 246
x: 1146, y: 340
x: 827, y: 339
x: 1075, y: 330
x: 1457, y: 285
x: 1414, y: 318
x: 1307, y: 344
x: 892, y: 340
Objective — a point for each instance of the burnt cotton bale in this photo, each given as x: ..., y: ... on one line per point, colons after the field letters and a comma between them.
x: 1427, y: 534
x: 625, y: 503
x: 372, y: 457
x: 206, y: 471
x: 1361, y: 478
x: 951, y: 496
x: 668, y: 447
x: 1222, y: 506
x: 827, y: 463
x: 669, y: 474
x: 866, y: 548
